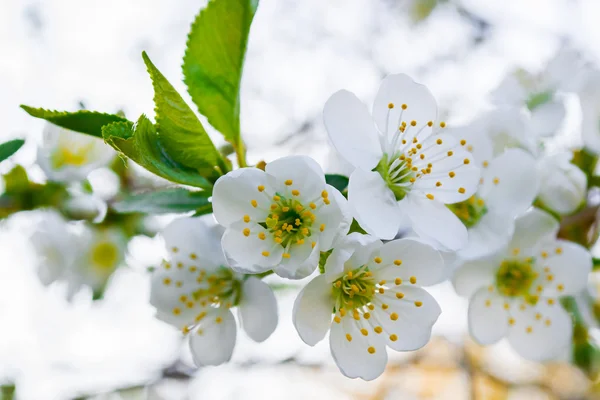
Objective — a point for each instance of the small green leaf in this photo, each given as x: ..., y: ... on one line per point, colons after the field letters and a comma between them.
x: 340, y: 182
x: 143, y: 146
x: 214, y: 59
x: 596, y: 262
x: 181, y: 133
x: 175, y: 200
x: 538, y: 99
x: 9, y: 148
x: 83, y: 121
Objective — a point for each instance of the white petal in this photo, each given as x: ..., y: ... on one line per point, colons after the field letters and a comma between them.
x: 375, y: 207
x: 400, y: 89
x: 234, y: 192
x: 590, y: 123
x: 304, y: 172
x: 434, y: 220
x: 245, y: 253
x: 303, y: 260
x: 510, y: 183
x: 544, y: 341
x: 547, y: 118
x: 352, y: 252
x: 569, y: 263
x: 474, y: 275
x: 212, y: 342
x: 195, y: 241
x: 312, y: 310
x: 532, y: 228
x: 351, y: 130
x: 493, y: 232
x: 258, y: 309
x: 417, y: 260
x: 352, y: 357
x: 413, y: 324
x: 479, y: 144
x: 488, y: 320
x: 337, y: 217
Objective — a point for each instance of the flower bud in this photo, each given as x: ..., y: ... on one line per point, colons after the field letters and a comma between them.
x: 562, y: 184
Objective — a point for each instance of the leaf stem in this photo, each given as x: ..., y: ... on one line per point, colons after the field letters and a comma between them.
x: 240, y: 152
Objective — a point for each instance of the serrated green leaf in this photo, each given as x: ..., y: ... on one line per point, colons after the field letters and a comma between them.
x: 83, y: 121
x: 175, y: 200
x: 340, y: 182
x: 214, y: 59
x: 142, y: 144
x: 9, y: 148
x: 181, y: 133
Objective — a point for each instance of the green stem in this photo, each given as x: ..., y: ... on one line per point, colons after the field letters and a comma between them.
x: 262, y: 274
x: 240, y: 152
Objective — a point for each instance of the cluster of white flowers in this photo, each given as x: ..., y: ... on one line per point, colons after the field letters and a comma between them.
x: 463, y: 194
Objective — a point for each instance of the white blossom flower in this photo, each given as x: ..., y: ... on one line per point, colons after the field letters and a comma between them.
x: 80, y: 256
x: 280, y: 218
x: 194, y: 290
x: 590, y: 110
x: 402, y: 170
x: 375, y: 293
x: 509, y: 184
x: 515, y: 292
x: 563, y: 186
x: 68, y: 156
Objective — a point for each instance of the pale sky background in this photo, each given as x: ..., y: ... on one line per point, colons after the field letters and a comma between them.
x: 56, y: 53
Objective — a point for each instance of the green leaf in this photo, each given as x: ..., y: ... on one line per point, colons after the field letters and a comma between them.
x: 596, y: 262
x: 143, y: 146
x: 83, y: 121
x: 340, y: 182
x: 9, y: 148
x: 181, y: 133
x: 538, y: 99
x: 214, y: 59
x: 175, y: 200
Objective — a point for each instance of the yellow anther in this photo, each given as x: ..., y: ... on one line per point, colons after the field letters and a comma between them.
x: 413, y: 123
x: 516, y: 251
x: 262, y: 236
x: 174, y: 249
x: 286, y: 255
x: 313, y: 244
x: 404, y: 106
x: 438, y: 184
x: 278, y: 240
x: 511, y: 321
x: 429, y: 196
x: 246, y: 232
x: 439, y: 141
x: 371, y: 350
x: 529, y: 329
x: 378, y: 329
x: 377, y: 260
x: 273, y: 207
x: 289, y: 182
x: 558, y: 250
x: 246, y: 218
x: 348, y: 337
x: 167, y: 281
x: 193, y: 268
x: 296, y: 192
x: 506, y: 306
x: 544, y: 254
x: 261, y: 188
x: 254, y: 203
x: 560, y: 287
x: 393, y: 337
x: 398, y: 262
x: 450, y: 153
x: 399, y: 295
x: 466, y: 161
x: 413, y: 280
x: 322, y: 227
x: 167, y: 266
x: 185, y: 330
x: 547, y: 322
x: 488, y: 303
x: 180, y: 265
x: 218, y: 320
x: 312, y: 205
x: 276, y: 198
x: 391, y: 105
x: 190, y: 304
x: 393, y: 316
x: 176, y: 311
x: 179, y: 284
x: 326, y: 200
x: 461, y: 190
x: 265, y: 253
x: 430, y: 123
x: 418, y: 303
x: 496, y: 181
x: 451, y: 174
x: 324, y: 194
x: 364, y: 332
x: 183, y: 298
x: 550, y: 302
x: 384, y: 306
x: 442, y: 124
x: 538, y: 316
x: 381, y: 290
x: 398, y: 281
x: 285, y: 209
x: 337, y: 319
x: 463, y: 142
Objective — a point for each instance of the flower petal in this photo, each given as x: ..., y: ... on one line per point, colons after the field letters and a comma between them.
x: 542, y: 338
x: 351, y: 130
x: 312, y: 310
x: 434, y: 220
x: 213, y: 339
x: 233, y: 193
x: 304, y: 172
x: 478, y: 143
x: 258, y: 309
x: 246, y: 254
x: 352, y: 356
x: 569, y: 264
x: 493, y: 232
x: 532, y: 228
x: 417, y: 260
x: 337, y: 217
x: 547, y: 118
x: 352, y: 252
x: 399, y: 89
x: 474, y: 275
x: 375, y: 207
x: 488, y: 320
x: 303, y: 260
x: 510, y: 183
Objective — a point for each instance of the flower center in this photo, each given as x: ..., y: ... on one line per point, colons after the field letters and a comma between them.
x: 469, y: 211
x: 66, y: 156
x: 515, y: 277
x: 105, y: 255
x: 354, y: 290
x: 289, y: 221
x: 399, y: 174
x: 219, y: 288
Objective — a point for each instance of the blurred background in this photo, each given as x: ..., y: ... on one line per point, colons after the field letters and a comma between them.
x: 68, y: 54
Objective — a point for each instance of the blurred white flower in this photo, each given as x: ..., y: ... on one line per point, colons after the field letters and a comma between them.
x: 375, y: 293
x: 280, y: 218
x: 194, y: 291
x: 82, y: 255
x: 563, y: 186
x: 68, y: 156
x: 514, y: 293
x: 402, y: 170
x: 509, y: 186
x: 590, y: 109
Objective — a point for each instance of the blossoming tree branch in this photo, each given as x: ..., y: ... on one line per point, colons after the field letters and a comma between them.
x: 487, y: 206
